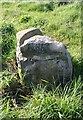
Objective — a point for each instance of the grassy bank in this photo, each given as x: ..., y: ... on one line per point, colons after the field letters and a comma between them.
x: 62, y: 23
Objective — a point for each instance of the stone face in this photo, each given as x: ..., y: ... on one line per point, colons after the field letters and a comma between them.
x: 40, y: 58
x: 38, y: 45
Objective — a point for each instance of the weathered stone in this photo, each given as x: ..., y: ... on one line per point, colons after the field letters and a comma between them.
x: 26, y: 34
x: 21, y: 37
x: 37, y: 45
x: 40, y: 58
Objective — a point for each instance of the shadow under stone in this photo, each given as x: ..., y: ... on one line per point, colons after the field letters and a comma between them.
x: 77, y: 69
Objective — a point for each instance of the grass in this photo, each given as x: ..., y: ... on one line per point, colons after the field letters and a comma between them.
x: 54, y: 104
x: 62, y: 23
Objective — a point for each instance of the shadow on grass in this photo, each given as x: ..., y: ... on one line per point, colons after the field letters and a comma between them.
x: 77, y: 69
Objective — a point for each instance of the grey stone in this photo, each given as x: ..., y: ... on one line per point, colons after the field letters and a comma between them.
x: 26, y: 34
x: 43, y: 60
x: 21, y: 37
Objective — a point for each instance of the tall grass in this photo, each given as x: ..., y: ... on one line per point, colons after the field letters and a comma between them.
x: 53, y: 104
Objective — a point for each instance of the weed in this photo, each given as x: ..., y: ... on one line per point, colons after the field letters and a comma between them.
x: 25, y: 19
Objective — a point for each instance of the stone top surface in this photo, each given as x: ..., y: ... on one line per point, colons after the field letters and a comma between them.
x: 26, y: 34
x: 23, y: 32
